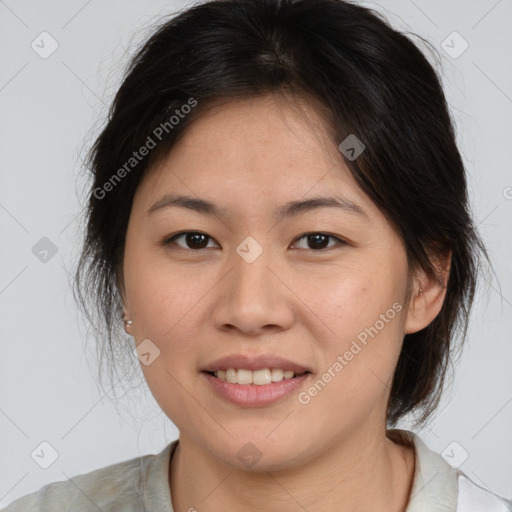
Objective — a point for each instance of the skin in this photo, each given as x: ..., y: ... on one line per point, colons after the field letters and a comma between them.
x: 295, y: 300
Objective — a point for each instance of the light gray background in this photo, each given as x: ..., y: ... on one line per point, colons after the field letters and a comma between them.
x: 51, y: 108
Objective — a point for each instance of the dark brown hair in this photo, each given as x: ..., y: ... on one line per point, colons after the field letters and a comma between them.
x: 372, y: 80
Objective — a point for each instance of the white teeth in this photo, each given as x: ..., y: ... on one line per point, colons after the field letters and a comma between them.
x: 277, y: 375
x: 244, y: 377
x: 230, y: 375
x: 260, y: 377
x: 257, y: 377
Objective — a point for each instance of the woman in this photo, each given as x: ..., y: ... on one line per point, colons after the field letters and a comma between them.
x: 279, y: 216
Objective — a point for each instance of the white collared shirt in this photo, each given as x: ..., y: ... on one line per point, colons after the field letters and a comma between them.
x: 437, y: 487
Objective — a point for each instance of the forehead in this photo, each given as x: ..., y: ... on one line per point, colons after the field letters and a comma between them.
x: 268, y: 142
x: 277, y: 127
x: 263, y: 150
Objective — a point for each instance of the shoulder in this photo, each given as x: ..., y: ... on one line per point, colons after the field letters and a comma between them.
x: 439, y: 487
x: 121, y: 486
x: 109, y: 488
x: 473, y: 498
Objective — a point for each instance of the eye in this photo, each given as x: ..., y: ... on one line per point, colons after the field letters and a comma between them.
x: 194, y: 240
x: 318, y: 241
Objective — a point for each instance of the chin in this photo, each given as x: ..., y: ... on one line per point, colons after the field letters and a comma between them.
x: 261, y: 452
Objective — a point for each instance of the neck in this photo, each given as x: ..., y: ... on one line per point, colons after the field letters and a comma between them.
x: 365, y: 473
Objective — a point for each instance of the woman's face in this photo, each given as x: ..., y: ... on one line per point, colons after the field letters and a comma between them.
x: 252, y: 285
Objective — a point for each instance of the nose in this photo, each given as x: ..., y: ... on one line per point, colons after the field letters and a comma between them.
x: 252, y: 298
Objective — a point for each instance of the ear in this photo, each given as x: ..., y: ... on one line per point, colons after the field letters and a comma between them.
x: 126, y: 309
x: 127, y: 321
x: 427, y: 296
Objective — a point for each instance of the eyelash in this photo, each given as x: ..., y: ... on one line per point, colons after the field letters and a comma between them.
x: 171, y: 240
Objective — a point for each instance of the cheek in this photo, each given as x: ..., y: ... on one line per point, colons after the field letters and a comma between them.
x: 158, y: 294
x: 353, y: 297
x: 364, y: 310
x: 161, y: 305
x: 166, y: 303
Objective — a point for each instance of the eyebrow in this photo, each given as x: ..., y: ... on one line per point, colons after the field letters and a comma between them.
x: 289, y: 209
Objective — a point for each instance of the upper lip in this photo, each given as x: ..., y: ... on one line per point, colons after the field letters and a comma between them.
x: 258, y: 362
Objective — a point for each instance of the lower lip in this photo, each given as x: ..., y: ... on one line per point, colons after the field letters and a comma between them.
x: 251, y: 395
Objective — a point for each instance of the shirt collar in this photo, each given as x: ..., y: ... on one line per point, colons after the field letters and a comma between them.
x: 435, y: 482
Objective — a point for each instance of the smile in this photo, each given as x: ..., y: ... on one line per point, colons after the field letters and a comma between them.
x: 252, y: 394
x: 256, y: 377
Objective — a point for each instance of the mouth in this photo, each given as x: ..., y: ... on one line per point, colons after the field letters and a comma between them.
x: 260, y: 377
x: 256, y: 382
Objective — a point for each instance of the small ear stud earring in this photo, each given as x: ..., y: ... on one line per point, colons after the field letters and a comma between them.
x: 128, y: 322
x: 421, y: 291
